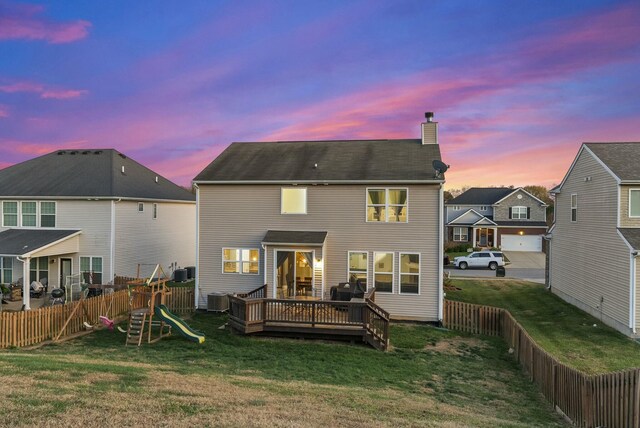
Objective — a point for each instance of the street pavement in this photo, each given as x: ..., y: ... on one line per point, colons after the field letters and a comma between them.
x: 526, y: 274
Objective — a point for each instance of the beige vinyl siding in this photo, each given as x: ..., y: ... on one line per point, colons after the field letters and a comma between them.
x: 141, y: 239
x: 637, y: 302
x: 625, y: 220
x: 578, y: 272
x: 238, y: 216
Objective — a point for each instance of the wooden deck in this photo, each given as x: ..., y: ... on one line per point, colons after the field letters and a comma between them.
x: 252, y: 313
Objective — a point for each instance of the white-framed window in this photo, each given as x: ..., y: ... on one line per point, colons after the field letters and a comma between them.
x: 293, y: 200
x: 456, y: 207
x: 483, y: 208
x: 155, y: 211
x: 29, y: 213
x: 409, y: 273
x: 574, y: 207
x: 38, y: 269
x: 47, y: 214
x: 461, y: 234
x: 358, y: 266
x: 519, y: 213
x: 383, y: 267
x: 6, y: 270
x: 140, y: 207
x: 244, y: 261
x: 388, y: 205
x: 9, y: 214
x: 634, y: 202
x: 91, y: 269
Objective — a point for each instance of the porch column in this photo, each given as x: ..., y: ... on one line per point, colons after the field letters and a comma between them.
x: 26, y: 284
x: 474, y: 237
x: 495, y: 237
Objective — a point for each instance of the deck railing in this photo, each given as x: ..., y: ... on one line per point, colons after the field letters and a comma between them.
x: 254, y: 314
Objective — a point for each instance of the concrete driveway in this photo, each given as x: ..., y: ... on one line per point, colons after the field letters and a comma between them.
x: 525, y: 260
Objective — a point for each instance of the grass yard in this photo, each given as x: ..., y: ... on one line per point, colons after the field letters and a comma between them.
x: 560, y: 328
x: 431, y: 377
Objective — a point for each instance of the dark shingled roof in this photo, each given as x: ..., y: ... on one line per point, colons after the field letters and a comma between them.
x: 350, y: 160
x: 87, y: 173
x: 621, y: 158
x: 294, y: 237
x: 481, y: 196
x: 16, y: 242
x: 522, y: 223
x: 632, y: 236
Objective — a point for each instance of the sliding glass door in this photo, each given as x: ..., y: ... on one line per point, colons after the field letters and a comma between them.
x: 294, y: 274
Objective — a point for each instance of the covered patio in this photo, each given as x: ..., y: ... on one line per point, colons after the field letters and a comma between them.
x: 35, y: 250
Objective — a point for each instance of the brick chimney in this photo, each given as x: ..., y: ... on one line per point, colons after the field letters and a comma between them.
x: 429, y: 129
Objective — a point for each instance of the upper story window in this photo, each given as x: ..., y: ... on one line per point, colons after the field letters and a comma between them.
x: 28, y: 214
x: 387, y: 205
x: 140, y: 207
x: 47, y: 214
x: 574, y: 207
x: 634, y: 202
x: 456, y: 208
x: 293, y: 200
x: 155, y: 211
x: 519, y: 213
x: 483, y: 208
x: 9, y: 214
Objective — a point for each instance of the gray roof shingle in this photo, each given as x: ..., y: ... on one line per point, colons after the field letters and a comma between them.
x: 481, y: 196
x: 16, y: 242
x: 621, y: 158
x: 87, y: 173
x: 348, y: 160
x: 294, y: 237
x: 632, y: 235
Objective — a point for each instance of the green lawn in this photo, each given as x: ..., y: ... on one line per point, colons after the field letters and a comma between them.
x: 431, y: 377
x: 573, y: 336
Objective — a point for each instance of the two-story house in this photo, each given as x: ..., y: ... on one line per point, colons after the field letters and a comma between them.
x: 511, y: 219
x: 595, y: 239
x: 93, y: 212
x: 303, y: 216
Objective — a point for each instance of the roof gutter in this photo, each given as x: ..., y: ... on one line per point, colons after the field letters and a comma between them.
x: 97, y: 198
x: 318, y: 182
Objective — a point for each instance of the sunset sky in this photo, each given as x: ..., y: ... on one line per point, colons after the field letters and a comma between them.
x: 516, y: 85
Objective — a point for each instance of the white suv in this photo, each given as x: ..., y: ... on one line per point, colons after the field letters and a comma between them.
x: 490, y: 259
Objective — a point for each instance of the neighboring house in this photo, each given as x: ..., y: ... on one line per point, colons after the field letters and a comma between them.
x: 304, y: 216
x: 595, y: 239
x: 92, y: 212
x: 510, y: 219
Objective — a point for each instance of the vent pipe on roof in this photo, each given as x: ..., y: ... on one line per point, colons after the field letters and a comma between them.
x: 429, y: 129
x: 123, y: 169
x: 156, y: 178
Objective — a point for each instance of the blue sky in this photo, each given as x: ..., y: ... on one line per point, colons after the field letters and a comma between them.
x: 516, y: 86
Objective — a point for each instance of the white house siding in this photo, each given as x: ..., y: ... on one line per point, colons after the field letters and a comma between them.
x: 238, y: 216
x: 141, y: 239
x: 94, y: 219
x: 600, y: 288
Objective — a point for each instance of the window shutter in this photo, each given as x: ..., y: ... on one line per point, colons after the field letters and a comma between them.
x: 528, y: 213
x: 510, y: 213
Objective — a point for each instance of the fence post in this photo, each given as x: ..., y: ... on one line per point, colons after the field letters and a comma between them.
x: 587, y: 407
x: 636, y: 400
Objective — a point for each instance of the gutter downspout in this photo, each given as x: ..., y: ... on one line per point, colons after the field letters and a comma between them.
x: 197, y: 288
x: 113, y: 238
x: 440, y: 253
x: 633, y: 293
x: 26, y: 297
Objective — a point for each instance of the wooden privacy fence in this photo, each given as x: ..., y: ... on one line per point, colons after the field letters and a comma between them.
x: 608, y: 400
x: 27, y: 328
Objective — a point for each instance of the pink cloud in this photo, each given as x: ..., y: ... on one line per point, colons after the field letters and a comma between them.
x: 32, y: 149
x: 26, y: 23
x: 4, y: 111
x: 45, y: 92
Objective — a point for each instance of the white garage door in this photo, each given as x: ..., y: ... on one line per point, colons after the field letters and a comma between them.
x: 521, y: 243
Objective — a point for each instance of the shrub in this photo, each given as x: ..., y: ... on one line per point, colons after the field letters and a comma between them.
x: 451, y: 247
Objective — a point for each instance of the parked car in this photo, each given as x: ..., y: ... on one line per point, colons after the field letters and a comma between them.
x: 480, y: 259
